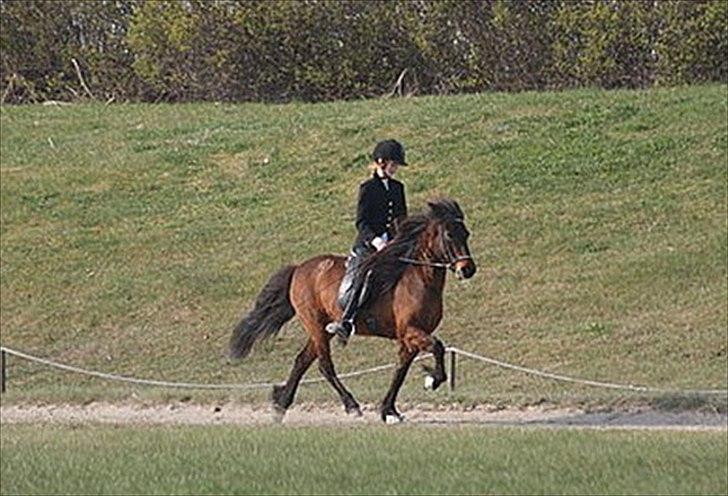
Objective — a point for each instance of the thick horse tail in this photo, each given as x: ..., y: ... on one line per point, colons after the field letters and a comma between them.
x: 272, y: 309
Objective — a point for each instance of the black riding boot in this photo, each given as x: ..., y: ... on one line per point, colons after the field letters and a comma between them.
x: 344, y: 328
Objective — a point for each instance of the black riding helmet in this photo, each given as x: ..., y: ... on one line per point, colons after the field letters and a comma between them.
x: 389, y: 150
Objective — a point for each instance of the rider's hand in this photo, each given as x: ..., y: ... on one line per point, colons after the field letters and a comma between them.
x: 380, y: 242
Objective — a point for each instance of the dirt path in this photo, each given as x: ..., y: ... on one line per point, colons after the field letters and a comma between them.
x: 303, y: 415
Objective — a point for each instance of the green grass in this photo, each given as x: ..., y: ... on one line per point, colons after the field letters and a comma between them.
x: 371, y: 460
x: 132, y: 237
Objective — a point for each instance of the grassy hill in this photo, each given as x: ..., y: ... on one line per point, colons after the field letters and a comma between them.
x: 134, y: 236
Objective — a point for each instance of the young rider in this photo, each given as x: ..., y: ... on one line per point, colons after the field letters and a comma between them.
x: 380, y: 206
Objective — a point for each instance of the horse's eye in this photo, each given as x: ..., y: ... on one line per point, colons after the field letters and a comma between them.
x: 462, y: 232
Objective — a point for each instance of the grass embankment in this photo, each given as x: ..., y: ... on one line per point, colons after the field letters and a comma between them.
x: 134, y: 236
x: 381, y: 460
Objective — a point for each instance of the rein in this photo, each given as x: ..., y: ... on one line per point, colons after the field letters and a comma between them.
x: 444, y: 265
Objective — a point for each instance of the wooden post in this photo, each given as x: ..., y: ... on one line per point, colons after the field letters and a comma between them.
x: 3, y: 359
x: 452, y: 371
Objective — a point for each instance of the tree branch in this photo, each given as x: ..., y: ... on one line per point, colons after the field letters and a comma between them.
x: 398, y: 85
x: 80, y: 78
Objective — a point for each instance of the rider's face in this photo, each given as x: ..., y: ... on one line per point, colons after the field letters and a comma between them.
x: 390, y: 168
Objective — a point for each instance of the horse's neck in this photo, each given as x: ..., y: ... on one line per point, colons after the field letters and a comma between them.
x: 423, y: 287
x: 432, y: 277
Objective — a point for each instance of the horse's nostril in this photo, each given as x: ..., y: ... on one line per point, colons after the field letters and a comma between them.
x: 465, y: 271
x: 469, y: 271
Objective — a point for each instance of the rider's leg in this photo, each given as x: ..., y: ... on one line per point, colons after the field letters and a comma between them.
x: 345, y: 326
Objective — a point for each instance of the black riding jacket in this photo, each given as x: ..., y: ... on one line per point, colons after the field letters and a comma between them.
x: 378, y: 210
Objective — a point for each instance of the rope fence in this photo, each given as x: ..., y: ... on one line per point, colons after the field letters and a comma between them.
x: 565, y: 378
x: 179, y: 385
x: 452, y: 351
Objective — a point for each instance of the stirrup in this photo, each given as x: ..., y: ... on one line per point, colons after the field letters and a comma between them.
x: 342, y: 329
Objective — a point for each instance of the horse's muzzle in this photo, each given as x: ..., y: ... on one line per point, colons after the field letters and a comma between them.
x: 465, y: 269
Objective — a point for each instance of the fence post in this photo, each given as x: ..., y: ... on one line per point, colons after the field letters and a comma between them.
x: 3, y: 359
x: 452, y: 370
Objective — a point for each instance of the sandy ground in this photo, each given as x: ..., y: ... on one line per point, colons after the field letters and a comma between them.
x: 303, y: 415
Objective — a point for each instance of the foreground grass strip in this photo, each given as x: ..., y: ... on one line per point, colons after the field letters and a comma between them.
x: 367, y: 460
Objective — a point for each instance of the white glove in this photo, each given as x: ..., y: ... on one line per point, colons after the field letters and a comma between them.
x: 380, y: 242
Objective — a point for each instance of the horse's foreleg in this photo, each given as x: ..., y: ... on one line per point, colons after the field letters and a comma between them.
x: 436, y: 376
x: 282, y: 396
x: 326, y: 366
x: 412, y: 342
x: 388, y: 412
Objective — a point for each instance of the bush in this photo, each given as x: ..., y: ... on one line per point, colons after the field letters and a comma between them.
x: 316, y: 50
x: 692, y: 45
x: 39, y: 41
x: 606, y: 44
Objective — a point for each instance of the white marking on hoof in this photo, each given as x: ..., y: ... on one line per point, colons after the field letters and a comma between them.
x: 429, y: 382
x: 393, y: 419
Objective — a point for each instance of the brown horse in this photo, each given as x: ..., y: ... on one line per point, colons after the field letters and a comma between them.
x: 406, y: 281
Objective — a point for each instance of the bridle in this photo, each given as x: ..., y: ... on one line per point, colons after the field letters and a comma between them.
x: 450, y: 264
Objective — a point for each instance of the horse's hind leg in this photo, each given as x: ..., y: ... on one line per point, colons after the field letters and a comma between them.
x: 436, y: 376
x: 326, y: 366
x: 282, y: 396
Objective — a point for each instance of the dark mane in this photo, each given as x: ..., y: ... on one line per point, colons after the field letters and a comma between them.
x: 445, y: 209
x: 385, y: 266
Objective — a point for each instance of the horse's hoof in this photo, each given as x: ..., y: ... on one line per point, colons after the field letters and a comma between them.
x: 393, y: 419
x: 277, y: 414
x: 429, y: 382
x: 279, y: 411
x: 390, y: 416
x: 354, y: 411
x: 353, y: 408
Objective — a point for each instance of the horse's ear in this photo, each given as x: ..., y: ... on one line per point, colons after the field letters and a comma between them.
x: 445, y: 208
x: 460, y: 213
x: 435, y: 206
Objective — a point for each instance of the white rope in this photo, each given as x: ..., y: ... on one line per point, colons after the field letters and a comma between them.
x: 262, y: 385
x: 565, y: 378
x: 188, y: 385
x: 148, y: 382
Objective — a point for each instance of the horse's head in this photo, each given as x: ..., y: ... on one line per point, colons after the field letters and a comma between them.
x: 450, y: 237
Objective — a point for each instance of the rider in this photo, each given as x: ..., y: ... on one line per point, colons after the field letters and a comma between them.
x: 380, y: 206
